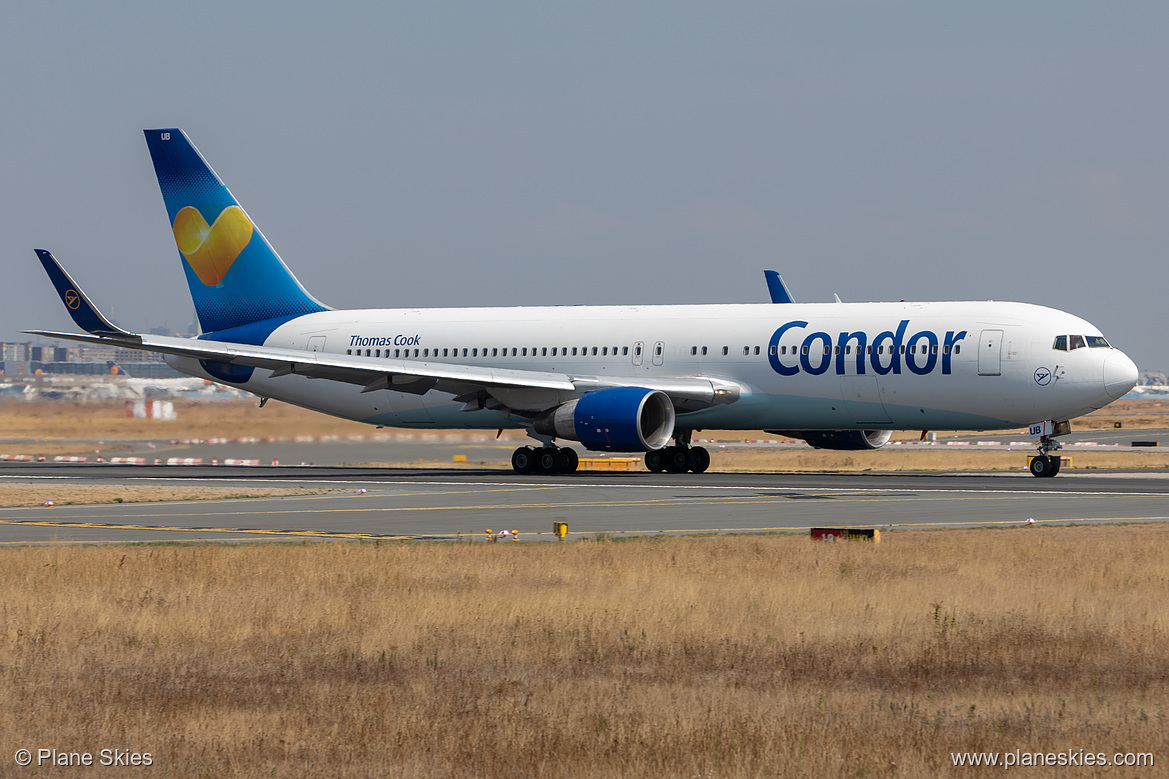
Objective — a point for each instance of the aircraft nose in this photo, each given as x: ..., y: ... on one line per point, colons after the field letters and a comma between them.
x: 1120, y: 375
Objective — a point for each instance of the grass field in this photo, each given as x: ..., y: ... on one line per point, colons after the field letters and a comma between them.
x: 687, y: 657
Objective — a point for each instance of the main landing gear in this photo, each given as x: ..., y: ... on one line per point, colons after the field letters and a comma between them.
x: 678, y: 459
x: 546, y: 460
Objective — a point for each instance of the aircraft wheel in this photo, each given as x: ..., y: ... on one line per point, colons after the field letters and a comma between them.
x: 656, y: 460
x: 677, y: 460
x: 568, y: 461
x: 1044, y: 467
x: 698, y: 459
x: 548, y: 461
x: 523, y: 460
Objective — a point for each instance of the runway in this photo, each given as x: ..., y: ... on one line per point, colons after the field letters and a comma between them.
x: 462, y: 504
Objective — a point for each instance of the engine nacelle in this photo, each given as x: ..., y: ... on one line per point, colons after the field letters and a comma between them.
x: 849, y: 440
x: 621, y: 419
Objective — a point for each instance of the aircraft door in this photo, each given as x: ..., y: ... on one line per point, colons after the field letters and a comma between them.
x: 316, y: 343
x: 638, y: 349
x: 659, y: 352
x: 990, y: 350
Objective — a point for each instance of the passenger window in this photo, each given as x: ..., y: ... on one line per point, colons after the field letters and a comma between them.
x: 946, y: 349
x: 637, y: 350
x: 594, y: 351
x: 426, y: 352
x: 604, y: 351
x: 694, y: 350
x: 756, y: 350
x: 804, y: 350
x: 1076, y: 341
x: 624, y: 351
x: 726, y: 351
x: 848, y: 349
x: 474, y: 352
x: 957, y: 348
x: 415, y: 352
x: 349, y: 351
x: 574, y: 351
x: 658, y: 350
x: 869, y: 349
x: 933, y: 348
x: 377, y: 352
x: 827, y: 350
x: 837, y: 349
x: 553, y: 351
x: 544, y: 351
x: 771, y: 351
x: 746, y: 350
x: 514, y: 351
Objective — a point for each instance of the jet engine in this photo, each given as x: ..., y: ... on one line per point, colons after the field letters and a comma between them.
x: 621, y: 419
x: 840, y: 439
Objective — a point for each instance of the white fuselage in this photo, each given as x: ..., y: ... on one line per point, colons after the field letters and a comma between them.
x: 832, y: 366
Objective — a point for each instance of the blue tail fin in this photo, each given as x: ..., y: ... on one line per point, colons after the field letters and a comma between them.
x: 236, y: 277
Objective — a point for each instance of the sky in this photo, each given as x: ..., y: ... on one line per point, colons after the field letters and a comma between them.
x: 534, y: 153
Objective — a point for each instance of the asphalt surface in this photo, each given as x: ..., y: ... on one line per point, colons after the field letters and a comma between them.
x: 452, y: 504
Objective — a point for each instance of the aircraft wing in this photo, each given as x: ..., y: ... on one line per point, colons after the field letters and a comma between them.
x: 524, y: 391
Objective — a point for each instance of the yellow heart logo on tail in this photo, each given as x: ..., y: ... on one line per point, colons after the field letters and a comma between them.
x: 210, y: 250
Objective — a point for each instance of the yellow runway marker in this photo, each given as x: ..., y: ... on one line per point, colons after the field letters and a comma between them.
x: 275, y: 534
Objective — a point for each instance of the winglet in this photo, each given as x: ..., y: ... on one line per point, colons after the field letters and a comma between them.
x: 84, y: 313
x: 779, y: 291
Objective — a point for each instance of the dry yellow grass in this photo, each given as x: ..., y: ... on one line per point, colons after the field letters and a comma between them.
x: 57, y: 420
x: 691, y: 657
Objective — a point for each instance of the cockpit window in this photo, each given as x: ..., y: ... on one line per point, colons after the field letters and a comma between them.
x: 1061, y: 343
x: 1098, y: 342
x: 1077, y: 341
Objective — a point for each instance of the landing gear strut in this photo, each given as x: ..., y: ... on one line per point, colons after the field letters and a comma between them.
x: 546, y: 460
x: 1044, y: 465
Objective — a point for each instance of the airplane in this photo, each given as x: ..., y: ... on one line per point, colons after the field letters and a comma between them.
x: 615, y: 378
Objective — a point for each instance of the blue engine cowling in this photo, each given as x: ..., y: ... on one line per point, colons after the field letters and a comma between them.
x: 622, y: 419
x: 848, y: 440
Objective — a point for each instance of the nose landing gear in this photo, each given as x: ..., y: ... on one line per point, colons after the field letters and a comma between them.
x: 1044, y: 465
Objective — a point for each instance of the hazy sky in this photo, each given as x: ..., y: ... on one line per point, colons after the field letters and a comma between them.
x: 505, y: 153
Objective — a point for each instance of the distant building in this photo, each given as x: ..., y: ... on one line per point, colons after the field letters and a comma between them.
x: 86, y: 360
